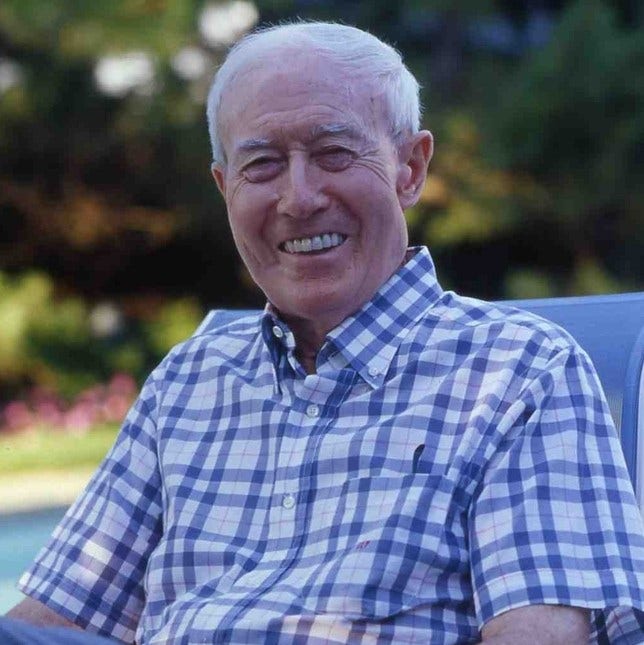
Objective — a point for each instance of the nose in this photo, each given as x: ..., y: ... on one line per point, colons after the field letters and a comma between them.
x: 302, y: 194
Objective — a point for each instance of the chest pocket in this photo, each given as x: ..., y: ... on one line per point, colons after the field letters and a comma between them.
x: 384, y: 538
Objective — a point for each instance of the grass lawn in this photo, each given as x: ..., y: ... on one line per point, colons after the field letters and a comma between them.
x: 54, y: 450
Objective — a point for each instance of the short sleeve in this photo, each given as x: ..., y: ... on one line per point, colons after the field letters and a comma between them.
x: 92, y: 569
x: 555, y: 520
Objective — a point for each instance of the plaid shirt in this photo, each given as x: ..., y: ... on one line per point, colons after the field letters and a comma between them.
x: 449, y: 460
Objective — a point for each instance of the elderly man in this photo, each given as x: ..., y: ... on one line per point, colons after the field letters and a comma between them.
x: 371, y: 459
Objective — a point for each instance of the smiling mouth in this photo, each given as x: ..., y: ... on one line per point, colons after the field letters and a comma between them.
x: 313, y: 244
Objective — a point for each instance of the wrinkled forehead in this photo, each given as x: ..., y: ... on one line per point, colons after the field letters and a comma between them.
x: 291, y: 75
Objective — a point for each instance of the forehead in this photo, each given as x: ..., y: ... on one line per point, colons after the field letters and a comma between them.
x: 305, y: 97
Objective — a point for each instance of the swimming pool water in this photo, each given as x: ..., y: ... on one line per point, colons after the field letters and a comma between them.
x: 21, y: 537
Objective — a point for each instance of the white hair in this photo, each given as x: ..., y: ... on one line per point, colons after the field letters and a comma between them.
x: 359, y: 52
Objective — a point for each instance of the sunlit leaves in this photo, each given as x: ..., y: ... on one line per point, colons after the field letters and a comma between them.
x: 101, y: 26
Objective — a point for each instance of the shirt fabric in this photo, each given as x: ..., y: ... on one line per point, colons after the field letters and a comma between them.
x: 450, y: 460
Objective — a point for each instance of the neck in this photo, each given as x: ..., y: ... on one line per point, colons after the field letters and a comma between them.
x: 307, y: 361
x: 309, y: 335
x: 309, y: 338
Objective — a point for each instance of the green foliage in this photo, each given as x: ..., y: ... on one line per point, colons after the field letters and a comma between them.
x: 574, y: 113
x: 525, y: 283
x: 20, y: 302
x: 45, y: 450
x: 79, y: 29
x: 175, y: 322
x: 550, y: 166
x: 573, y: 118
x: 466, y: 198
x: 41, y: 339
x: 49, y: 341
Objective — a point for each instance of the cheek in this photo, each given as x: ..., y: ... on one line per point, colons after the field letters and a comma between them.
x: 249, y: 219
x: 245, y: 211
x: 370, y: 186
x: 377, y: 208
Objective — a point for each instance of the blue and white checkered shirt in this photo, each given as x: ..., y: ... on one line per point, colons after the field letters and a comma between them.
x: 449, y: 460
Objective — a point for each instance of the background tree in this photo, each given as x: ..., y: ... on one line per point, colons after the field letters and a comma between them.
x: 105, y: 191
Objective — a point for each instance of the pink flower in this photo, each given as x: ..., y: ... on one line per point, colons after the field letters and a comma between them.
x: 17, y: 416
x: 81, y: 417
x: 123, y: 384
x: 96, y: 404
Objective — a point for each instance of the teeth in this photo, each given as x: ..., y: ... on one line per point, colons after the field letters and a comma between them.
x: 316, y: 243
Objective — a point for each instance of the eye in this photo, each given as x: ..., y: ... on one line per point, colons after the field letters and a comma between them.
x: 262, y: 169
x: 335, y: 158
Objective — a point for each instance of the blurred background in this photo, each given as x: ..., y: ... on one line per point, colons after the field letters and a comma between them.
x: 114, y: 240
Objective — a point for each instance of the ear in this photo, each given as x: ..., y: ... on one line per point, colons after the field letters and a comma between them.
x: 219, y: 176
x: 414, y: 157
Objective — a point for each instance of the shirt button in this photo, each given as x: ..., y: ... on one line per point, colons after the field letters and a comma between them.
x: 313, y: 410
x: 277, y: 332
x: 288, y: 501
x: 373, y: 371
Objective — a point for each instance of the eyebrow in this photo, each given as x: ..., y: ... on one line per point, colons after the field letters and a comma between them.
x: 249, y: 145
x: 320, y: 131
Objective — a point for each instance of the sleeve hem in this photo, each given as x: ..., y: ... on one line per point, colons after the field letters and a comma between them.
x: 555, y: 587
x: 53, y: 591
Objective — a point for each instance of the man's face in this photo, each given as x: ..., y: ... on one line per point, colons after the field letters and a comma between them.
x: 313, y: 185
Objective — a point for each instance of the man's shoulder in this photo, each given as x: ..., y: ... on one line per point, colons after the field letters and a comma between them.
x: 221, y: 337
x: 496, y: 319
x: 234, y: 321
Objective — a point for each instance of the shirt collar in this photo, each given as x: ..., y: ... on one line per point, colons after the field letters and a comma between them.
x: 369, y: 339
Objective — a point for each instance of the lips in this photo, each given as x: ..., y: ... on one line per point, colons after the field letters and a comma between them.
x: 312, y: 244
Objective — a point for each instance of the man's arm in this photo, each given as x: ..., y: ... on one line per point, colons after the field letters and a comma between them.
x: 539, y: 625
x: 35, y: 612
